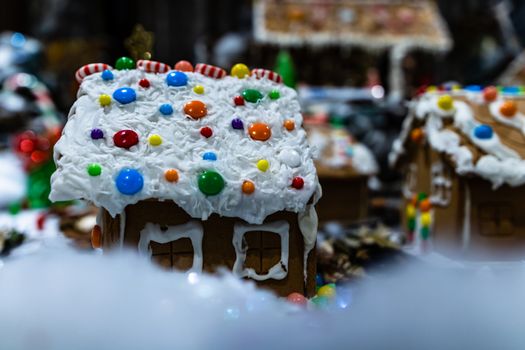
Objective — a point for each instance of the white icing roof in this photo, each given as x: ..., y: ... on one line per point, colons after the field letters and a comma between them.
x: 498, y: 158
x: 183, y: 146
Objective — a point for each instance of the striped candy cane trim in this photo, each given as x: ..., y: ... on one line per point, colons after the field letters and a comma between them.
x: 153, y: 66
x: 260, y: 73
x: 89, y: 69
x: 210, y: 71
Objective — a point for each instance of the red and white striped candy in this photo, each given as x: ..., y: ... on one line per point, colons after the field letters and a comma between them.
x: 89, y: 69
x: 260, y: 73
x: 210, y: 71
x: 153, y: 66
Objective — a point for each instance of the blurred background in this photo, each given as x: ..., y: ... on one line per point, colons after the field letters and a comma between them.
x: 353, y: 82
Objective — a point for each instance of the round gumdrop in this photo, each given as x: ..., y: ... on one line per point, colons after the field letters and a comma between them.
x: 508, y: 109
x: 171, y: 175
x: 490, y: 93
x: 195, y: 109
x: 425, y: 205
x: 125, y: 138
x: 483, y: 132
x: 328, y: 290
x: 97, y: 134
x: 289, y: 124
x: 129, y: 181
x: 125, y: 95
x: 297, y: 298
x: 207, y: 132
x: 252, y: 95
x: 260, y: 131
x: 124, y: 63
x: 184, y: 66
x: 176, y: 78
x: 237, y: 124
x: 238, y: 100
x: 297, y: 183
x: 209, y: 156
x: 445, y: 102
x: 240, y: 70
x: 144, y: 83
x: 210, y: 182
x: 248, y: 187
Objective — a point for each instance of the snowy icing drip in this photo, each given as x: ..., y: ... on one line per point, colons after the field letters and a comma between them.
x: 167, y: 138
x: 500, y: 165
x: 192, y: 230
x: 280, y: 270
x: 441, y: 190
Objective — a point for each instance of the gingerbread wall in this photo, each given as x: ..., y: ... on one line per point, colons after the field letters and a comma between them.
x: 344, y: 199
x: 218, y: 251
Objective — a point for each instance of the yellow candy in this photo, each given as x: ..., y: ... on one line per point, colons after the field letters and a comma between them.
x: 104, y: 100
x: 411, y: 211
x: 155, y: 140
x: 431, y: 88
x: 445, y: 102
x: 456, y: 87
x: 240, y: 71
x: 198, y: 89
x: 327, y: 291
x: 263, y: 165
x: 426, y: 219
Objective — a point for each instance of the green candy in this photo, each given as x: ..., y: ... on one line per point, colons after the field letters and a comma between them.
x: 252, y: 95
x: 320, y: 301
x: 412, y: 224
x: 94, y: 169
x: 425, y: 232
x: 421, y: 196
x: 210, y: 182
x: 274, y: 94
x: 125, y: 63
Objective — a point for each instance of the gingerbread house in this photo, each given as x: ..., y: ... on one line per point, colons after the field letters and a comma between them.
x: 462, y: 153
x: 194, y: 168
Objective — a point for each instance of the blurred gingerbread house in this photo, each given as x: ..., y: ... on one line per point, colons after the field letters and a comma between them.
x: 398, y: 26
x: 194, y: 168
x: 463, y: 156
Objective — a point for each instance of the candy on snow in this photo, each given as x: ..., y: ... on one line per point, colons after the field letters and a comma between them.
x: 260, y: 131
x: 155, y: 140
x: 240, y: 71
x: 252, y: 95
x: 210, y: 71
x: 490, y: 93
x: 171, y: 175
x: 129, y: 181
x: 508, y: 109
x: 248, y: 187
x: 260, y: 73
x: 184, y: 66
x: 209, y: 156
x: 195, y: 109
x: 89, y: 69
x: 289, y: 124
x: 166, y: 109
x: 210, y: 182
x: 426, y: 219
x: 97, y: 134
x: 107, y: 75
x: 125, y: 95
x: 125, y: 138
x: 237, y: 124
x: 94, y: 169
x: 198, y: 89
x: 206, y: 132
x: 425, y: 205
x: 274, y: 94
x: 176, y: 78
x: 144, y: 83
x: 124, y: 63
x: 263, y: 165
x: 483, y: 132
x: 297, y: 298
x: 297, y: 183
x: 104, y: 100
x: 153, y: 66
x: 445, y: 102
x: 238, y: 100
x: 327, y: 291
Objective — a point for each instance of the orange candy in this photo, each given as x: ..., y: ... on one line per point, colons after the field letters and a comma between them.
x: 508, y: 109
x: 195, y: 109
x: 425, y: 205
x: 96, y: 237
x: 184, y: 66
x: 416, y: 135
x: 490, y: 93
x: 260, y: 131
x: 171, y: 175
x: 289, y: 124
x: 248, y: 187
x: 414, y: 200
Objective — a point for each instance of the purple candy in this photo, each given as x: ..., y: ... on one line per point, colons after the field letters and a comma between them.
x: 97, y: 134
x: 237, y: 124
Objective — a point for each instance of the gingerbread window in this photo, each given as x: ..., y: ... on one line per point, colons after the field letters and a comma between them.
x: 496, y: 219
x: 261, y: 250
x: 441, y: 184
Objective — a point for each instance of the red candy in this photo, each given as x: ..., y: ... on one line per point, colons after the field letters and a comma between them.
x: 144, y: 83
x: 297, y: 298
x: 238, y: 100
x: 206, y: 132
x: 184, y: 66
x: 125, y: 138
x: 297, y: 182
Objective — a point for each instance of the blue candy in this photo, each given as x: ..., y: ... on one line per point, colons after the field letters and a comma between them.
x: 473, y: 88
x: 483, y: 132
x: 176, y: 78
x: 166, y: 109
x: 209, y: 156
x: 129, y: 181
x: 511, y: 90
x: 125, y: 95
x: 107, y: 75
